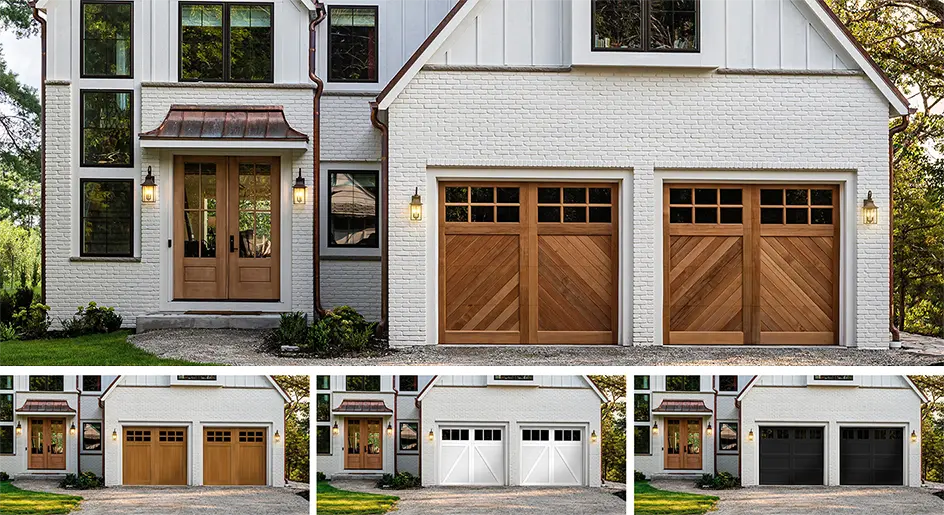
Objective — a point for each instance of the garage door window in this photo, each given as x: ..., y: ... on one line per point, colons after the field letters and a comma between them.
x: 455, y: 434
x: 219, y: 436
x: 138, y: 436
x: 566, y: 435
x: 483, y: 204
x: 706, y: 205
x: 536, y: 435
x: 488, y: 435
x: 575, y: 205
x: 170, y: 436
x: 251, y: 436
x: 806, y: 206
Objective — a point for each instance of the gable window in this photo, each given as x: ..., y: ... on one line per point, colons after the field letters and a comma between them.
x: 232, y: 42
x: 727, y: 383
x: 106, y: 217
x: 362, y: 383
x: 682, y: 383
x: 106, y: 39
x: 322, y: 382
x: 6, y: 382
x: 645, y: 25
x: 641, y: 444
x: 91, y: 383
x: 92, y: 436
x: 46, y: 384
x: 728, y: 436
x: 641, y: 407
x: 352, y: 44
x: 408, y: 436
x: 352, y: 209
x: 640, y: 382
x: 107, y: 138
x: 408, y: 383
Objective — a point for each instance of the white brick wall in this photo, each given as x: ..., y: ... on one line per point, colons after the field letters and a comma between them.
x: 646, y: 121
x: 351, y: 283
x: 346, y: 131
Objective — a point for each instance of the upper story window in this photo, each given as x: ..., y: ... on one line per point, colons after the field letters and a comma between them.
x: 682, y: 383
x: 645, y: 25
x: 641, y: 382
x: 727, y: 383
x: 352, y: 44
x: 6, y: 415
x: 91, y: 383
x: 226, y: 42
x: 107, y: 138
x: 46, y: 384
x: 409, y: 383
x: 107, y: 39
x: 352, y: 209
x: 322, y: 382
x: 362, y: 383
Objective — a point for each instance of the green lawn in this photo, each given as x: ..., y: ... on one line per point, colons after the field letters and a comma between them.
x: 332, y: 501
x: 21, y: 502
x: 652, y: 501
x: 92, y: 350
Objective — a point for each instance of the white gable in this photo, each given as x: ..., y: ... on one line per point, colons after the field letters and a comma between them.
x: 227, y: 381
x: 900, y: 382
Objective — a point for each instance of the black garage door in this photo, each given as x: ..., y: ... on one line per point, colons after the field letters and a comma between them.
x: 791, y: 456
x: 871, y: 456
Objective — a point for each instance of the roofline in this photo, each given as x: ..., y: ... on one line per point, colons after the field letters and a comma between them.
x: 753, y: 381
x: 429, y: 386
x: 271, y: 379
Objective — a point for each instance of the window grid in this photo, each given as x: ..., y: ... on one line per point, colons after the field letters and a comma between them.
x: 483, y: 204
x: 575, y: 205
x: 127, y: 39
x: 348, y: 37
x: 170, y: 436
x: 488, y: 435
x: 138, y: 436
x: 222, y: 21
x: 536, y: 435
x: 646, y: 30
x: 219, y: 436
x: 706, y: 206
x: 796, y: 206
x: 251, y: 436
x: 103, y: 232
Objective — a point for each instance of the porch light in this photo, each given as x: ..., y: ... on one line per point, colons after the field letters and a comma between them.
x: 277, y: 436
x: 593, y: 436
x: 750, y: 435
x: 299, y: 191
x: 335, y: 430
x: 431, y: 435
x: 389, y: 429
x: 655, y: 428
x: 416, y: 206
x: 72, y: 429
x: 19, y: 429
x: 114, y: 434
x: 148, y: 187
x: 869, y: 210
x: 914, y: 436
x: 709, y: 431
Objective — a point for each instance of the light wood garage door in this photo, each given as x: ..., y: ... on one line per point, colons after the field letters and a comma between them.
x: 154, y: 456
x: 528, y: 263
x: 751, y: 264
x: 234, y: 456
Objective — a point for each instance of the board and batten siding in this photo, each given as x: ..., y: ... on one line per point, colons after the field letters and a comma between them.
x: 541, y: 381
x: 887, y: 381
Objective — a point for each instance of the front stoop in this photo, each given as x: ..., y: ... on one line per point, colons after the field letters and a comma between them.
x: 374, y: 476
x: 252, y: 321
x: 42, y: 476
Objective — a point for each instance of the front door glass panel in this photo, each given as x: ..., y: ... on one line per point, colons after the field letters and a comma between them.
x: 693, y: 445
x: 373, y: 437
x: 36, y: 437
x: 255, y: 210
x: 57, y: 436
x: 354, y: 437
x: 675, y: 437
x: 200, y: 208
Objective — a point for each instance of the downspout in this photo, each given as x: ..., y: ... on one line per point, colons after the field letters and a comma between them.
x: 385, y: 221
x: 714, y: 414
x: 896, y: 334
x: 101, y: 404
x: 419, y: 436
x: 79, y: 433
x: 42, y: 151
x: 396, y: 448
x: 737, y: 404
x: 320, y: 14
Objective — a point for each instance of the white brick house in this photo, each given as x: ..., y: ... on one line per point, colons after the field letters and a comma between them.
x: 780, y: 430
x: 145, y: 430
x: 461, y: 430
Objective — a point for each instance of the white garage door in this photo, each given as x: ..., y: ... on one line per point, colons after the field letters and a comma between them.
x: 552, y: 457
x: 471, y: 456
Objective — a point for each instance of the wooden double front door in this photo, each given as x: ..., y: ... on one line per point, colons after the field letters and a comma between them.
x: 528, y: 263
x: 47, y: 443
x: 363, y: 448
x: 226, y: 228
x: 683, y: 444
x: 751, y: 264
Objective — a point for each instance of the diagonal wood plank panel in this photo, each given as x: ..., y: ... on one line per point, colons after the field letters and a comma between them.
x: 574, y: 283
x: 482, y: 282
x: 796, y: 296
x: 705, y: 283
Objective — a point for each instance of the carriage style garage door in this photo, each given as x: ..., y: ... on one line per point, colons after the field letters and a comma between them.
x: 472, y: 456
x: 871, y: 456
x: 234, y: 456
x: 751, y: 264
x: 154, y: 456
x: 528, y: 263
x: 552, y: 457
x: 791, y: 456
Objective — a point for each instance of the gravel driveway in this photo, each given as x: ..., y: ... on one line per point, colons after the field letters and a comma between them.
x: 497, y: 500
x: 202, y: 500
x: 235, y: 347
x: 820, y: 500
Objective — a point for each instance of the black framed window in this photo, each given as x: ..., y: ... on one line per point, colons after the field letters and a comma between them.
x: 6, y: 382
x: 91, y: 383
x: 728, y: 436
x: 683, y: 383
x: 107, y: 35
x: 409, y: 383
x: 641, y: 440
x: 6, y: 439
x: 640, y: 382
x: 323, y: 407
x: 91, y: 436
x: 322, y: 382
x: 352, y: 44
x: 231, y: 42
x: 727, y: 383
x: 106, y: 217
x: 641, y: 406
x: 409, y: 440
x: 645, y: 25
x: 46, y: 383
x: 353, y: 208
x: 323, y: 440
x: 107, y: 121
x: 362, y: 383
x: 6, y: 407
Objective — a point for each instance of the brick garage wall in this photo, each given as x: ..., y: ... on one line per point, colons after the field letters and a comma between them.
x: 642, y: 120
x: 351, y: 283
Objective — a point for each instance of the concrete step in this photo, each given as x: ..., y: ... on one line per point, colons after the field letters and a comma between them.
x: 256, y: 321
x: 41, y: 475
x: 375, y: 476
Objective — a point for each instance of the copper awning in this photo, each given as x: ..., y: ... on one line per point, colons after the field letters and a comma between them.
x: 234, y: 125
x: 362, y: 406
x: 682, y: 406
x: 45, y: 406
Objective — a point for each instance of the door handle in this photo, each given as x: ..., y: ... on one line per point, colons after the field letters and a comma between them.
x: 232, y: 244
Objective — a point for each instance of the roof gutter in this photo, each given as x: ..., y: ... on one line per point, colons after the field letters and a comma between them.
x: 384, y: 173
x: 905, y: 120
x: 42, y: 150
x: 320, y: 14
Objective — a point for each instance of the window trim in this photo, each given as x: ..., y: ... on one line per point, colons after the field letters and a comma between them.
x: 644, y: 32
x: 131, y: 208
x: 737, y: 439
x: 376, y: 9
x: 227, y: 63
x: 82, y: 449
x: 400, y: 449
x: 82, y: 74
x: 131, y: 142
x: 329, y: 240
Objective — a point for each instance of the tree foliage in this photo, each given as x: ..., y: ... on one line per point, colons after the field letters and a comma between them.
x: 613, y: 426
x: 932, y: 427
x: 297, y: 427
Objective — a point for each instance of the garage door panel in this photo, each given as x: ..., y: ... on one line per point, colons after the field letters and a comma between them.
x: 552, y: 456
x: 486, y: 460
x: 235, y: 456
x: 537, y: 460
x: 472, y: 456
x: 706, y: 288
x: 791, y: 456
x: 483, y: 288
x: 871, y: 456
x: 455, y: 463
x: 154, y: 456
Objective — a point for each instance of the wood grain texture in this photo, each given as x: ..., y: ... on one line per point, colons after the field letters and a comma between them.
x: 239, y: 459
x: 148, y: 458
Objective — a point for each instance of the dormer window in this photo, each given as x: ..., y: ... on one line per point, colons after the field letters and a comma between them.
x: 352, y: 44
x: 645, y: 25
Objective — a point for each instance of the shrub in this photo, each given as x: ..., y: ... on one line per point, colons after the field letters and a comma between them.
x: 722, y: 481
x: 340, y: 332
x: 23, y: 298
x: 92, y: 319
x: 401, y: 481
x: 7, y: 332
x: 7, y: 309
x: 292, y: 330
x: 4, y: 476
x: 83, y: 481
x: 33, y: 322
x: 320, y: 476
x: 638, y: 476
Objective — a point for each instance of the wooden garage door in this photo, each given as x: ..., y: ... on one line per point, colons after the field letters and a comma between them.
x: 154, y: 456
x: 528, y: 263
x: 234, y: 456
x: 753, y: 264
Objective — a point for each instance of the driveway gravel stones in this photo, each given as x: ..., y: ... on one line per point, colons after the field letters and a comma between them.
x: 820, y: 500
x: 496, y: 500
x: 200, y: 500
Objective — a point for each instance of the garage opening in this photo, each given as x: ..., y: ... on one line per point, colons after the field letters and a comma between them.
x: 751, y: 264
x: 528, y: 263
x: 552, y: 457
x: 472, y: 456
x: 154, y: 456
x: 872, y: 456
x: 234, y: 456
x: 791, y: 456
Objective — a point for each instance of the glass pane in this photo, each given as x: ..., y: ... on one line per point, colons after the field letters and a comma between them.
x: 796, y: 197
x: 457, y: 213
x: 549, y: 196
x: 771, y: 215
x: 693, y: 446
x: 263, y: 235
x: 820, y: 216
x: 616, y: 25
x: 674, y: 437
x: 796, y: 215
x: 549, y: 214
x: 575, y: 214
x: 673, y: 25
x: 680, y: 215
x: 508, y: 196
x: 508, y: 214
x: 680, y: 196
x: 373, y: 438
x: 601, y: 195
x: 106, y: 128
x: 821, y: 197
x: 6, y: 440
x: 706, y: 215
x: 92, y: 436
x: 6, y: 408
x: 731, y: 215
x: 36, y: 437
x: 771, y: 197
x: 352, y: 44
x: 706, y: 196
x: 575, y: 195
x: 483, y: 214
x: 600, y: 215
x: 56, y: 436
x: 201, y: 42
x: 106, y: 39
x: 483, y: 195
x: 193, y: 228
x: 353, y: 436
x: 730, y: 197
x: 107, y: 217
x: 456, y: 194
x: 353, y: 209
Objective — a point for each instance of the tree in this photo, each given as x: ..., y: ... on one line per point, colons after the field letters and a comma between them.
x: 932, y: 427
x: 297, y: 427
x: 613, y: 426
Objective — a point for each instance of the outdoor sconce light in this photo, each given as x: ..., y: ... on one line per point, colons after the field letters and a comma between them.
x: 148, y: 188
x: 431, y: 436
x: 750, y: 435
x: 299, y: 191
x: 655, y: 428
x: 869, y: 210
x: 416, y: 207
x: 19, y: 429
x: 389, y: 430
x: 709, y: 430
x: 278, y: 437
x: 114, y: 434
x: 593, y: 436
x: 335, y: 430
x: 914, y: 436
x: 72, y: 429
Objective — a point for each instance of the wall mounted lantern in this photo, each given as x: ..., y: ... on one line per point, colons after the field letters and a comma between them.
x: 914, y: 436
x: 335, y: 430
x: 709, y: 431
x: 593, y: 436
x: 114, y: 435
x: 148, y: 188
x: 431, y: 436
x: 750, y: 435
x: 299, y: 190
x: 869, y: 210
x: 655, y: 428
x: 389, y: 429
x: 72, y: 429
x: 416, y: 206
x: 278, y: 437
x: 19, y: 429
